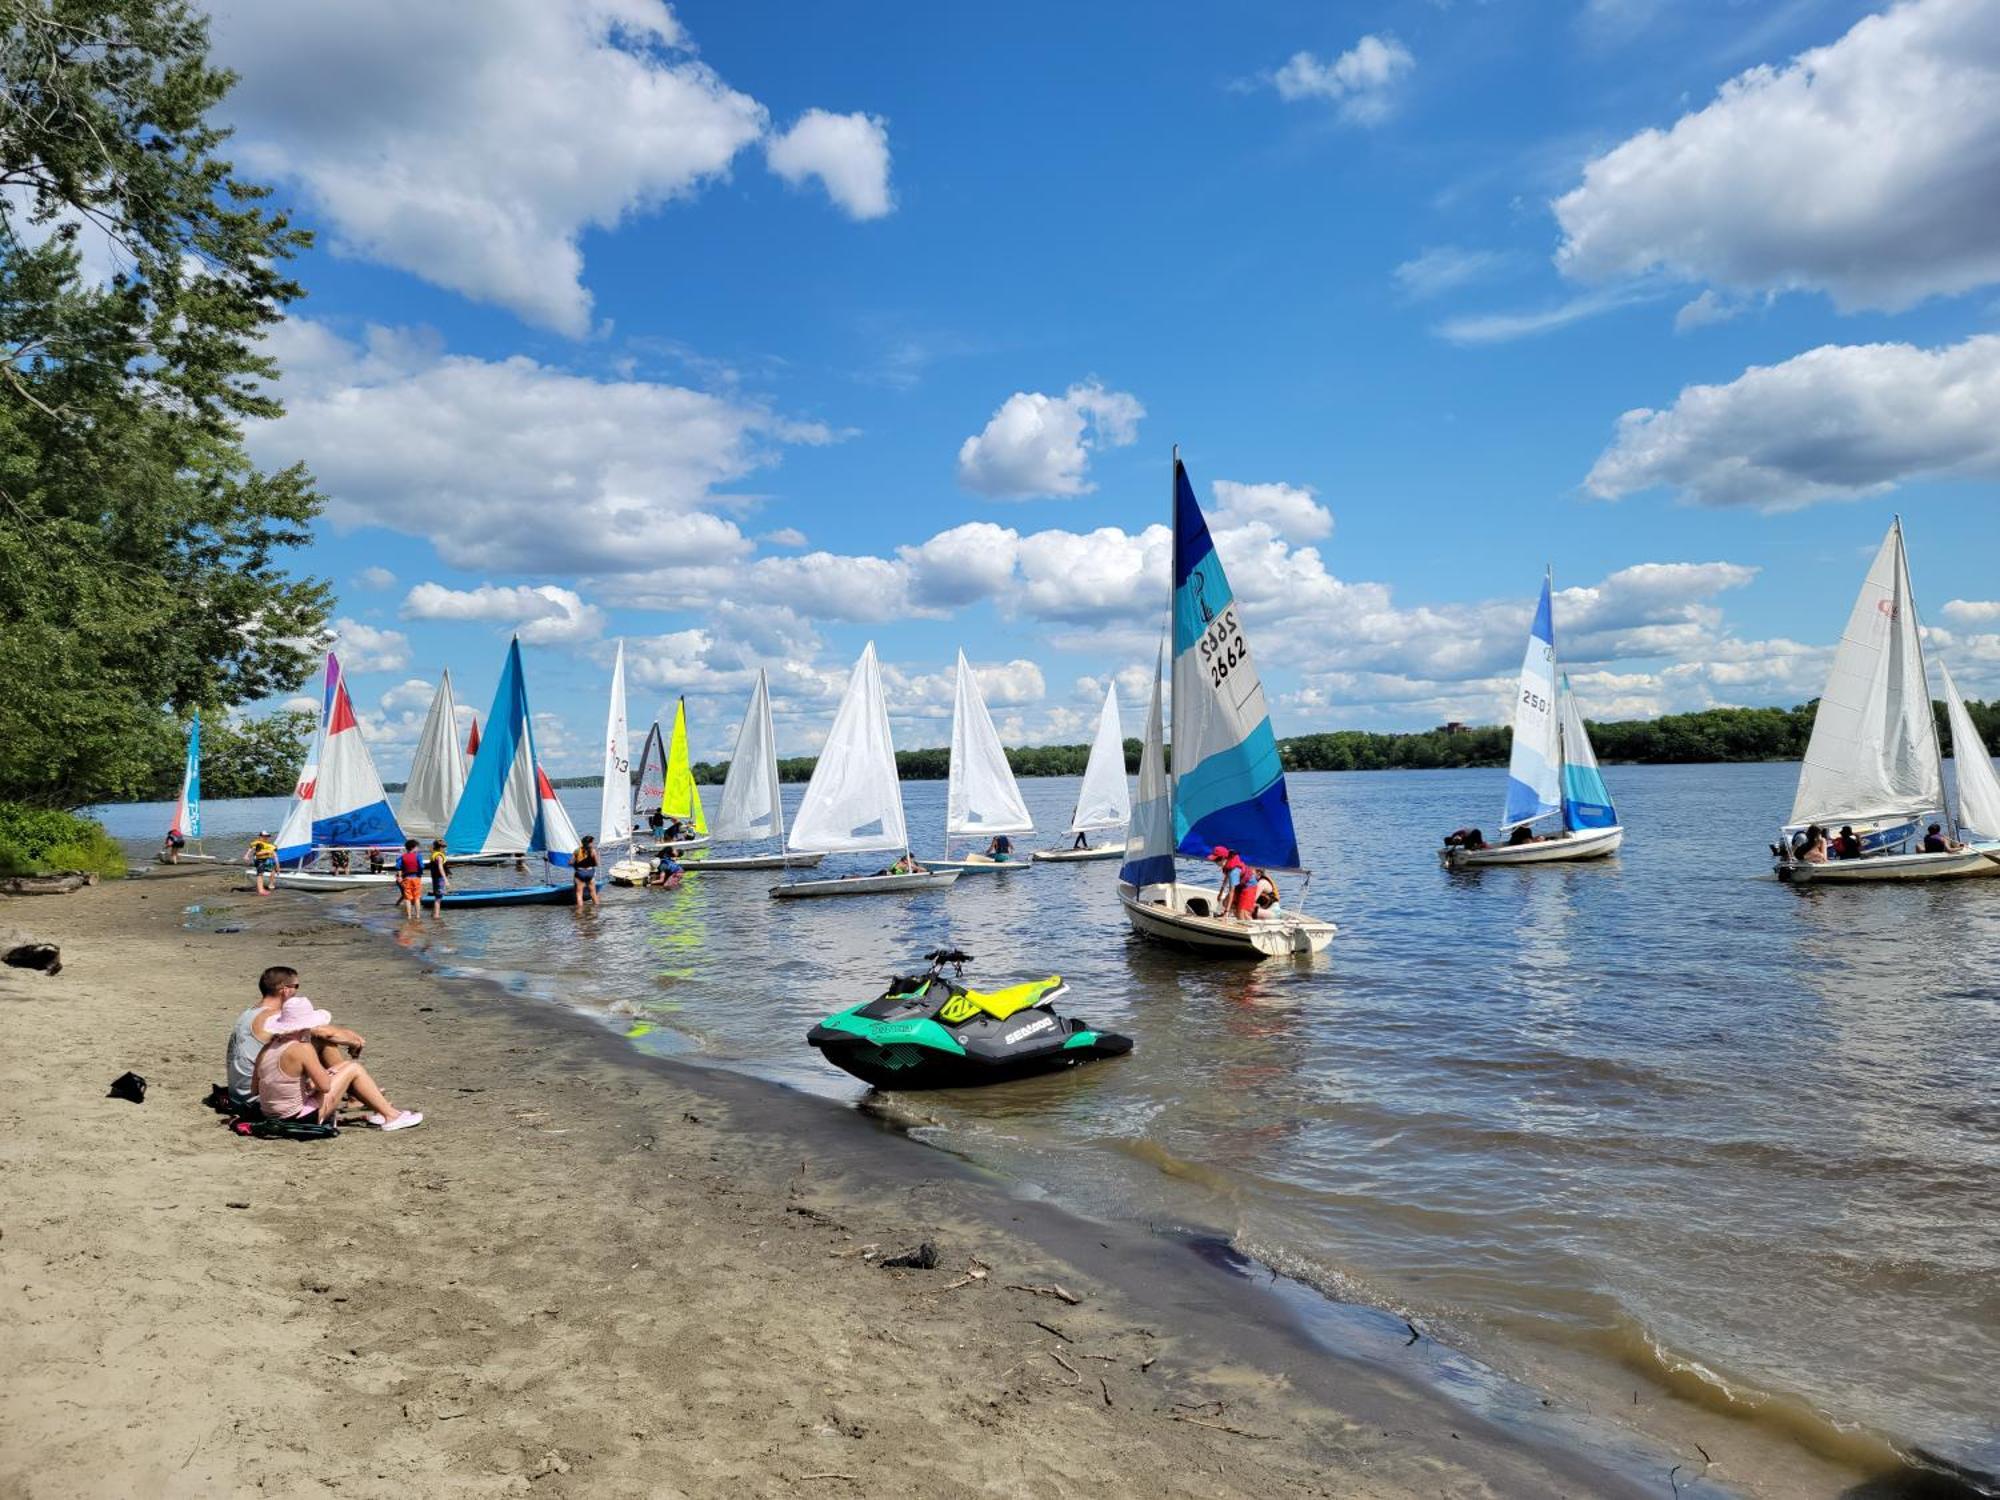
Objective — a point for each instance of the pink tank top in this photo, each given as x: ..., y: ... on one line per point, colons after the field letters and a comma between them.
x: 279, y: 1095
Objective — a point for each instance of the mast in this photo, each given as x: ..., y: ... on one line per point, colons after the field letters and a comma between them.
x: 1924, y: 673
x: 1562, y: 686
x: 1173, y: 552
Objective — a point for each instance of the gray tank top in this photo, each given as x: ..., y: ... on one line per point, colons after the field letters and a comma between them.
x: 242, y: 1059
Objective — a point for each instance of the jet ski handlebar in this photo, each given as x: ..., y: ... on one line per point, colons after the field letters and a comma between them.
x: 939, y: 957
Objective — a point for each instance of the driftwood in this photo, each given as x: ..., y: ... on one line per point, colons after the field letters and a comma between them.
x: 59, y: 884
x: 1053, y: 1289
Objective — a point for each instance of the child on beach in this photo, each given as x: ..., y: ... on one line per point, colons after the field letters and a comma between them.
x: 294, y: 1082
x: 409, y: 880
x: 263, y: 854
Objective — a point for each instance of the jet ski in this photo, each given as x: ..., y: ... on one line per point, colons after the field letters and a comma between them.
x: 931, y: 1032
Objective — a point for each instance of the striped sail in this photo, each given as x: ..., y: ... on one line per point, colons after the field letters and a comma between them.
x: 1534, y: 771
x: 187, y: 811
x: 652, y: 785
x: 343, y: 806
x: 1586, y: 799
x: 508, y: 806
x: 1149, y: 838
x: 1229, y: 785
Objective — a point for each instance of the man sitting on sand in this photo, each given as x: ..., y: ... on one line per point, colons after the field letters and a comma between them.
x: 252, y: 1030
x: 294, y: 1082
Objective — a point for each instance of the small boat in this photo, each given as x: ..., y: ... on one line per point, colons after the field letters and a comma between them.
x: 709, y: 864
x: 532, y: 895
x: 1228, y: 790
x: 753, y: 807
x: 1874, y: 763
x: 437, y: 770
x: 988, y: 863
x: 1103, y: 802
x: 683, y: 846
x: 187, y: 809
x: 1553, y: 769
x: 339, y: 803
x: 677, y: 796
x: 629, y: 872
x: 327, y: 880
x: 982, y: 799
x: 853, y: 803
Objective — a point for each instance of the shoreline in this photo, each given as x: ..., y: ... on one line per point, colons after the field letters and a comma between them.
x: 421, y: 1302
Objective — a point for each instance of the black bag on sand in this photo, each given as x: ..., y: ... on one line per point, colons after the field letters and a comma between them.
x: 128, y: 1086
x: 285, y: 1130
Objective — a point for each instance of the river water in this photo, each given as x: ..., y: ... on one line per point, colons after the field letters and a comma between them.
x: 1654, y: 1116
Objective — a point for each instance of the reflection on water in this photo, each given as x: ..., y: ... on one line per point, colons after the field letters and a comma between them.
x: 1658, y: 1108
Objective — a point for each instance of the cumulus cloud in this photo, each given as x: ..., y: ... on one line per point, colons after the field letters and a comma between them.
x: 1868, y: 168
x: 1835, y: 423
x: 411, y: 693
x: 1971, y: 611
x: 1040, y: 445
x: 849, y: 154
x: 376, y: 579
x: 1709, y: 307
x: 367, y: 648
x: 1362, y: 80
x: 542, y: 615
x: 510, y: 464
x: 1288, y: 509
x: 967, y: 563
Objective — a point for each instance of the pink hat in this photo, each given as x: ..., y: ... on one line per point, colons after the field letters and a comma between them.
x: 297, y: 1014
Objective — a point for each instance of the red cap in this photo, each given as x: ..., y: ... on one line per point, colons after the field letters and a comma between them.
x: 1218, y: 853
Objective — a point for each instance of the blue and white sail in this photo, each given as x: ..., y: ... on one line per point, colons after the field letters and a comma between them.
x: 508, y: 805
x: 341, y: 804
x: 187, y: 811
x: 1586, y: 799
x: 1534, y: 773
x: 1229, y: 785
x: 1149, y: 839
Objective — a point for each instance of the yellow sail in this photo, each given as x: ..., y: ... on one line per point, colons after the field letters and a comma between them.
x: 682, y: 798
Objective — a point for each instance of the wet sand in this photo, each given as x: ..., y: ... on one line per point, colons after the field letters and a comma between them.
x: 596, y: 1273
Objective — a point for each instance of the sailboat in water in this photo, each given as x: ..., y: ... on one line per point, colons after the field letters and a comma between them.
x: 1874, y: 765
x: 1228, y: 788
x: 650, y: 789
x: 753, y: 808
x: 982, y: 799
x: 1552, y: 770
x: 680, y: 798
x: 1103, y: 802
x: 854, y: 804
x: 340, y: 803
x: 437, y: 770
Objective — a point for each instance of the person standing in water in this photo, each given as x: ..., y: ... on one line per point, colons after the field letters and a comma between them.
x: 440, y: 873
x: 409, y: 880
x: 583, y: 865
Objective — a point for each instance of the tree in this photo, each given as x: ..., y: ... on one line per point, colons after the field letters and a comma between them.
x: 139, y: 546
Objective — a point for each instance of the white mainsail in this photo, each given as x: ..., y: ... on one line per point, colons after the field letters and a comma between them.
x: 1104, y: 800
x: 614, y: 807
x: 751, y: 808
x: 981, y: 795
x: 1534, y: 768
x: 1874, y: 751
x: 853, y: 802
x: 437, y: 770
x: 1978, y: 784
x: 1149, y: 842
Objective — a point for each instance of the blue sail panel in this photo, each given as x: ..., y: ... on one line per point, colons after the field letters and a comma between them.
x: 373, y: 826
x: 1525, y: 803
x: 488, y: 784
x: 1586, y: 800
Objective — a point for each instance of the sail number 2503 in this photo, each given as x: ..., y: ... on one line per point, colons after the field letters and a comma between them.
x: 1223, y: 647
x: 1534, y: 700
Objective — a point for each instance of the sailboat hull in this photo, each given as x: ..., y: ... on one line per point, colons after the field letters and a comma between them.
x: 1161, y: 913
x: 726, y: 862
x: 863, y: 885
x: 977, y: 862
x: 1080, y: 856
x: 313, y: 880
x: 1979, y: 859
x: 1587, y: 843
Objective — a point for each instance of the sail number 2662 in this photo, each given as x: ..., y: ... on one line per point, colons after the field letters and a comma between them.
x: 1223, y: 647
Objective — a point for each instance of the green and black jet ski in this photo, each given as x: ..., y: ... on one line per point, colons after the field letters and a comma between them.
x: 930, y: 1032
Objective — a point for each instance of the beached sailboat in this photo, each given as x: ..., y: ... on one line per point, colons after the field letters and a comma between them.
x: 982, y: 799
x: 679, y: 796
x: 752, y: 808
x: 1228, y: 790
x: 508, y: 805
x: 1552, y: 770
x: 1873, y: 763
x: 1103, y: 802
x: 340, y: 802
x: 854, y: 804
x: 187, y: 807
x: 437, y: 770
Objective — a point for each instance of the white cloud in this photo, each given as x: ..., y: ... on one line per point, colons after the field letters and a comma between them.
x: 301, y: 705
x: 1289, y: 509
x: 542, y: 615
x: 376, y: 578
x: 1709, y: 307
x: 473, y: 145
x: 1505, y: 327
x: 1868, y: 168
x: 1094, y: 576
x: 365, y: 648
x: 1445, y: 268
x: 1361, y: 80
x: 412, y: 693
x: 834, y: 586
x: 511, y: 464
x: 966, y: 563
x: 1971, y: 611
x: 849, y: 154
x: 1835, y: 423
x: 1038, y: 445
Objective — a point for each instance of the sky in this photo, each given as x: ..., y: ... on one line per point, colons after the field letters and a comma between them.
x: 749, y: 332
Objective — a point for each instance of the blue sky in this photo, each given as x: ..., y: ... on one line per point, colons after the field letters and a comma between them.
x: 748, y: 332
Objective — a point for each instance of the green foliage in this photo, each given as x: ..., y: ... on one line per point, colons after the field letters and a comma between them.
x: 241, y: 758
x: 42, y: 840
x: 1358, y: 750
x: 139, y: 573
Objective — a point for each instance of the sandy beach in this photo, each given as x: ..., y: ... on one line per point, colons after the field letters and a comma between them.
x: 591, y: 1272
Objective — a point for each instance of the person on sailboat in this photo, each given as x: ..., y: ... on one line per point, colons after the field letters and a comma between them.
x: 1847, y: 846
x: 170, y: 851
x: 1814, y: 852
x: 263, y: 854
x: 1526, y: 835
x: 656, y: 822
x: 907, y: 865
x: 341, y: 861
x: 1237, y: 895
x: 439, y: 868
x: 1465, y: 838
x: 1936, y: 843
x: 1000, y: 848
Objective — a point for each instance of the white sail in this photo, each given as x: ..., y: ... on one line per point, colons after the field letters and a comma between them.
x: 1534, y: 768
x: 750, y: 795
x: 1978, y: 784
x: 1149, y: 841
x: 1874, y: 750
x: 437, y: 770
x: 614, y: 807
x: 981, y: 796
x: 1104, y: 800
x: 853, y: 802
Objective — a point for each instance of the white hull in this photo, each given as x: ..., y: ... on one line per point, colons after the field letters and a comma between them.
x: 629, y: 872
x: 190, y: 859
x: 313, y: 880
x: 1980, y: 859
x: 681, y: 846
x: 864, y: 885
x: 1079, y: 856
x: 754, y: 862
x: 1261, y: 937
x: 974, y: 862
x: 1590, y: 843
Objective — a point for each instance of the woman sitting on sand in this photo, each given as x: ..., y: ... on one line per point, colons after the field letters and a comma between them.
x: 294, y: 1084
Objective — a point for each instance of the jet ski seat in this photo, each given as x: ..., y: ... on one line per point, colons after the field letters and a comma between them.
x: 1000, y: 1004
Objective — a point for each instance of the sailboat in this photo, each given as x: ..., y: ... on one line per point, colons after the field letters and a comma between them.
x: 614, y: 805
x: 472, y: 740
x: 508, y: 805
x: 1873, y: 763
x: 1552, y: 770
x: 680, y: 798
x: 982, y: 798
x: 1228, y: 790
x: 340, y: 802
x: 1103, y: 801
x: 437, y: 770
x: 854, y: 804
x: 651, y: 787
x: 753, y: 806
x: 187, y: 807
